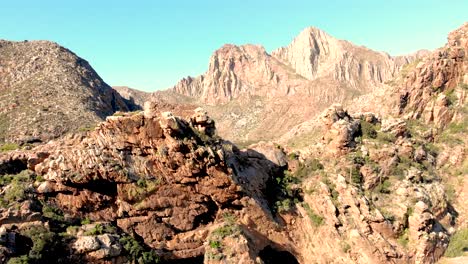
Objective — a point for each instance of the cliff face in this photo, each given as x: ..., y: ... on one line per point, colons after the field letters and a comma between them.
x: 315, y: 54
x: 236, y: 71
x: 438, y: 84
x: 46, y: 91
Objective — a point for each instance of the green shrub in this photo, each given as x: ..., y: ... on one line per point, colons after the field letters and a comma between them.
x: 9, y: 147
x: 385, y: 137
x: 226, y: 230
x: 368, y: 130
x: 458, y: 245
x: 44, y: 241
x: 293, y: 156
x: 316, y: 219
x: 86, y: 221
x: 53, y: 213
x: 284, y: 205
x: 345, y: 247
x: 384, y: 187
x: 403, y: 239
x: 15, y: 192
x: 100, y: 229
x: 18, y: 189
x: 356, y: 177
x: 136, y: 252
x: 215, y: 244
x: 19, y: 260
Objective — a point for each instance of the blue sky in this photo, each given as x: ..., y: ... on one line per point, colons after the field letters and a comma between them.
x: 150, y: 45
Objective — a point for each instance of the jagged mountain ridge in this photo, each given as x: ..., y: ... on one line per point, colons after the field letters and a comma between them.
x: 287, y: 87
x: 313, y: 55
x: 47, y: 90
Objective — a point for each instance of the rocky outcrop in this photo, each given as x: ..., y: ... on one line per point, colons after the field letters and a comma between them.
x: 48, y: 91
x: 340, y: 129
x: 438, y: 81
x: 162, y: 180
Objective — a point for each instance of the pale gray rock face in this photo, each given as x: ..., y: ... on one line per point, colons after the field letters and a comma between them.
x: 315, y: 54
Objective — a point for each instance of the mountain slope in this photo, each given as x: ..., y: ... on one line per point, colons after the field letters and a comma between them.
x: 133, y: 95
x: 255, y: 95
x: 46, y: 91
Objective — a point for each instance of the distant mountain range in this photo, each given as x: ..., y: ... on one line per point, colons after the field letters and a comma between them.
x: 255, y: 95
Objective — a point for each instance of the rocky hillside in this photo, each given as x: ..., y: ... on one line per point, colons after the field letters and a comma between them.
x: 133, y: 95
x: 421, y: 128
x: 291, y: 84
x: 46, y: 91
x: 152, y: 187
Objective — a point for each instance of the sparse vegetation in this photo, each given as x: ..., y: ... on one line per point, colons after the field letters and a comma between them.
x: 345, y: 247
x: 307, y: 168
x: 387, y: 215
x: 385, y: 137
x: 136, y: 252
x: 86, y: 129
x: 316, y: 219
x: 8, y: 147
x: 44, y: 241
x: 403, y: 239
x: 333, y: 191
x: 368, y: 130
x: 293, y: 156
x: 383, y: 187
x: 141, y: 189
x: 458, y: 245
x: 17, y: 190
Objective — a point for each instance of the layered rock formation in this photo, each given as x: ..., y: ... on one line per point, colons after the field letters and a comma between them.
x: 159, y: 179
x: 46, y: 91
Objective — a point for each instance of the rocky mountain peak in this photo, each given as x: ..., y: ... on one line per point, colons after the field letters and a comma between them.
x: 307, y: 50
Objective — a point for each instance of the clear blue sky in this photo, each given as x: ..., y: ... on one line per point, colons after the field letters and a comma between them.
x: 150, y: 45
